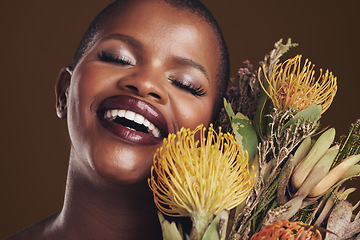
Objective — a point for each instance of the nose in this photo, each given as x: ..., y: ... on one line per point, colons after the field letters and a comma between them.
x: 147, y: 84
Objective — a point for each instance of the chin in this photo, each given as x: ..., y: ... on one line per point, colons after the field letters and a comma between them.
x: 121, y: 177
x: 131, y: 169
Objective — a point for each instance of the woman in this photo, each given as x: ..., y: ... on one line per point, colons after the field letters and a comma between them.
x: 142, y: 70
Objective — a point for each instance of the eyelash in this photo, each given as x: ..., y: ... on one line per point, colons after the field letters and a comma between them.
x: 197, y: 91
x: 110, y: 57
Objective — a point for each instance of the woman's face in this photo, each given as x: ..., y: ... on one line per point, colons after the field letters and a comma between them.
x: 151, y: 71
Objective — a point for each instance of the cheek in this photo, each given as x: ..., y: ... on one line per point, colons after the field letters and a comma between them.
x: 76, y: 119
x: 88, y: 82
x: 191, y: 113
x: 78, y: 102
x: 83, y: 88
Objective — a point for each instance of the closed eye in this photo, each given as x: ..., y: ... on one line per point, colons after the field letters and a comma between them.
x: 112, y: 58
x: 197, y: 91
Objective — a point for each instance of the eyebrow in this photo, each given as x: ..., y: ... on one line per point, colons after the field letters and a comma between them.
x: 191, y: 63
x: 125, y: 38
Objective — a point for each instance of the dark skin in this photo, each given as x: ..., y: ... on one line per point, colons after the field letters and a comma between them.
x: 150, y: 54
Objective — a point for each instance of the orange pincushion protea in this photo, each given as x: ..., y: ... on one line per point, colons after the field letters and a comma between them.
x: 192, y: 177
x: 287, y: 230
x: 200, y: 178
x: 291, y: 86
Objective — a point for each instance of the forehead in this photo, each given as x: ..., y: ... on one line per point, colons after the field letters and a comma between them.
x: 155, y: 9
x: 152, y: 21
x: 159, y: 16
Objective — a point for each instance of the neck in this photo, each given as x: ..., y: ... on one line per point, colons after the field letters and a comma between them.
x: 95, y: 208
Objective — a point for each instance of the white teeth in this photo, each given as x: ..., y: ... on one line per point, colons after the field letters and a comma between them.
x: 121, y: 113
x: 108, y: 114
x: 130, y: 115
x: 139, y: 119
x: 155, y: 132
x: 114, y: 112
x: 146, y: 123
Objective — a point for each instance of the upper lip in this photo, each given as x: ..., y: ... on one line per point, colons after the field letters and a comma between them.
x: 138, y: 106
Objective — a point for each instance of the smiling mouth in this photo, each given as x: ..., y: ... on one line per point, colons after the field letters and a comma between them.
x: 132, y: 121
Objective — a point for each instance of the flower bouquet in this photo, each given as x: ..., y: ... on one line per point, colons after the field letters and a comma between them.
x: 269, y: 172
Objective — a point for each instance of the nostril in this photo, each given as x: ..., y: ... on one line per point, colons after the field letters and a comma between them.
x: 142, y: 91
x: 132, y: 88
x: 154, y: 95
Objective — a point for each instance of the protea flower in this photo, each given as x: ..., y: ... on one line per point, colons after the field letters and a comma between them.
x: 200, y: 178
x: 287, y: 230
x: 296, y: 88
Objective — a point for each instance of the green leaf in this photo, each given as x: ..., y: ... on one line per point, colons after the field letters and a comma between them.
x: 261, y: 122
x: 169, y: 230
x: 217, y: 228
x: 311, y: 113
x: 244, y: 131
x: 245, y: 134
x: 228, y: 109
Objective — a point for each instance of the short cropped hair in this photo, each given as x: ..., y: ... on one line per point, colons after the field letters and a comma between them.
x: 195, y: 7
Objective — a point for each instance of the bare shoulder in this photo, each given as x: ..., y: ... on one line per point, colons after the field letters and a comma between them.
x: 40, y: 230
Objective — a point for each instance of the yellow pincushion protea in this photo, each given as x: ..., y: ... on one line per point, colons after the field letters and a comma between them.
x: 293, y: 87
x: 200, y: 178
x: 287, y: 230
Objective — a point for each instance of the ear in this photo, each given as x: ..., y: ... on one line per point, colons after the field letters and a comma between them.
x: 61, y: 91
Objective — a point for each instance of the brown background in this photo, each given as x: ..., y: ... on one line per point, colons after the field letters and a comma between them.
x: 39, y: 37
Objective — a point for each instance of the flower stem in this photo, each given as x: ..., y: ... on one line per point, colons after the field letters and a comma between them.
x: 201, y: 221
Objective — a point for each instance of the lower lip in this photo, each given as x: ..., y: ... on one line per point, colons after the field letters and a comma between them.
x: 129, y: 134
